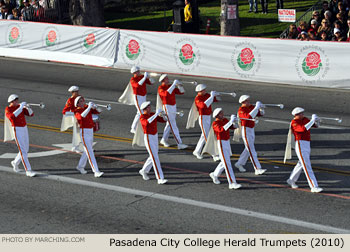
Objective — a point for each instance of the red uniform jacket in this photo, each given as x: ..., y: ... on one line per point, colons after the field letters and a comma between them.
x: 299, y: 130
x: 167, y: 98
x: 220, y: 132
x: 69, y: 105
x: 139, y: 89
x: 150, y: 128
x: 202, y: 108
x: 85, y: 122
x: 20, y: 120
x: 243, y: 112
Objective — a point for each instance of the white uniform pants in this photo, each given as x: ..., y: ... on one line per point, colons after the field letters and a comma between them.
x: 170, y: 111
x: 248, y: 136
x: 225, y: 161
x: 302, y: 148
x: 138, y: 99
x: 87, y: 137
x: 22, y: 141
x: 204, y: 122
x: 151, y: 142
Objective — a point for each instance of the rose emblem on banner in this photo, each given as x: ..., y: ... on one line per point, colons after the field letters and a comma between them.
x: 14, y: 35
x: 245, y: 59
x: 89, y: 41
x: 133, y: 49
x: 51, y: 38
x: 312, y: 64
x: 187, y: 55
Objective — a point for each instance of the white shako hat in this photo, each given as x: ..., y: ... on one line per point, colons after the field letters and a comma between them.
x: 134, y: 69
x: 297, y: 110
x: 216, y: 112
x: 200, y: 87
x: 162, y: 77
x: 77, y: 100
x: 12, y: 97
x: 73, y: 89
x: 243, y: 98
x: 145, y: 105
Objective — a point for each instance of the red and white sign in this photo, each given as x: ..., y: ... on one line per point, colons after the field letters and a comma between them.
x: 231, y: 11
x: 286, y: 15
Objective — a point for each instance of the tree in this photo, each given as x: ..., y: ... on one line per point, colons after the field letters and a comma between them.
x: 86, y: 12
x: 229, y: 22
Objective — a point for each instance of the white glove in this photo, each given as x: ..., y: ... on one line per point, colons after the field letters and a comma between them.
x: 258, y: 104
x: 23, y: 104
x: 145, y: 75
x: 91, y: 104
x: 212, y: 93
x: 233, y: 118
x: 176, y: 82
x: 314, y: 117
x: 159, y: 111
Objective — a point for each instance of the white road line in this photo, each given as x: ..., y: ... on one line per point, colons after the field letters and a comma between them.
x: 288, y: 122
x: 190, y: 202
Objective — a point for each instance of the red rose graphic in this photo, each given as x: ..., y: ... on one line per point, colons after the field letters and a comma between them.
x: 90, y: 40
x: 247, y: 56
x: 14, y: 32
x: 187, y: 51
x: 313, y: 60
x: 133, y: 46
x: 51, y: 36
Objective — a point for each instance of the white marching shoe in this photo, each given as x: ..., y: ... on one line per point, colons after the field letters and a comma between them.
x: 81, y: 170
x: 234, y: 186
x: 132, y: 131
x: 240, y: 167
x: 260, y: 171
x: 30, y: 174
x: 216, y: 158
x: 143, y: 174
x: 198, y: 155
x: 15, y: 166
x: 162, y: 181
x: 164, y: 143
x: 98, y: 174
x: 215, y: 179
x: 292, y: 184
x: 316, y: 189
x: 182, y: 146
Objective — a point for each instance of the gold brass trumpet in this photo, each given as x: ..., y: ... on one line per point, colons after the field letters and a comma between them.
x: 40, y: 105
x: 108, y: 106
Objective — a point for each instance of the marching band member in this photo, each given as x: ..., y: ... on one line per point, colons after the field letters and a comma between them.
x: 300, y: 126
x: 149, y: 125
x: 221, y: 128
x: 15, y: 115
x: 83, y: 114
x: 69, y: 109
x: 202, y: 110
x: 167, y: 94
x: 138, y: 83
x: 249, y: 111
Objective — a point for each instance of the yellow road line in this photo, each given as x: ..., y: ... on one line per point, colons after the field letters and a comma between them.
x: 128, y: 140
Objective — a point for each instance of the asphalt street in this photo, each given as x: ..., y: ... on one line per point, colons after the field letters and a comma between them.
x: 60, y: 200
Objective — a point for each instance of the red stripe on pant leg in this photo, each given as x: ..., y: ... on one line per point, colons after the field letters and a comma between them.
x: 223, y: 157
x: 177, y: 141
x: 304, y: 166
x: 203, y: 131
x: 250, y: 153
x: 87, y: 150
x: 19, y: 148
x: 154, y: 161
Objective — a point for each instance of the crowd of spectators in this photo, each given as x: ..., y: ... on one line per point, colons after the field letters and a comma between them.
x: 25, y: 10
x: 332, y: 23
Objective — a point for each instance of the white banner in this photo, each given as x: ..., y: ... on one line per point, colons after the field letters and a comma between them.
x: 286, y: 15
x: 309, y: 63
x: 65, y: 43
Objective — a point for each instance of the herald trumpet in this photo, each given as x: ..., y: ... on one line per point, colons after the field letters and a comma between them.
x: 233, y: 94
x: 179, y: 113
x: 154, y: 74
x: 40, y: 105
x: 281, y: 106
x: 247, y: 119
x: 108, y: 106
x: 339, y: 120
x: 190, y: 82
